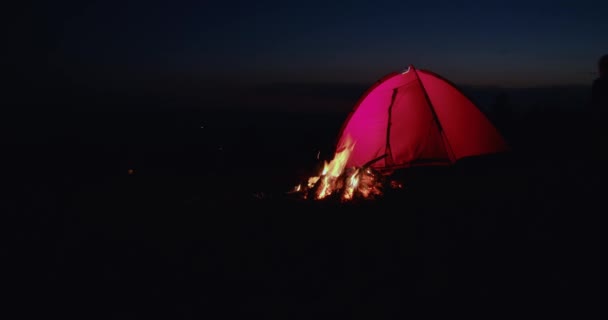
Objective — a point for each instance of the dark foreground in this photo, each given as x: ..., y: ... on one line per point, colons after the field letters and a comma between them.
x: 203, y: 227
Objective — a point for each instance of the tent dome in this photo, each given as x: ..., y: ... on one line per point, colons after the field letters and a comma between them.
x: 416, y: 117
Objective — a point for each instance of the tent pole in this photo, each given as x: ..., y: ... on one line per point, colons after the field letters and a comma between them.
x: 387, y: 149
x: 439, y: 126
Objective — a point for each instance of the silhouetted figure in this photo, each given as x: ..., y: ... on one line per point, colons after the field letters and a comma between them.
x: 599, y: 90
x: 599, y: 101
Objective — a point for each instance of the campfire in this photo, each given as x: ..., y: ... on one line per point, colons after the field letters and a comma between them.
x: 337, y: 181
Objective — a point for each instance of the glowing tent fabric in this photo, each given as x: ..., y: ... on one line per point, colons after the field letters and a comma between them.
x: 416, y: 118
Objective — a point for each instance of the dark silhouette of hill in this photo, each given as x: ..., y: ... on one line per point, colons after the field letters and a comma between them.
x: 202, y: 224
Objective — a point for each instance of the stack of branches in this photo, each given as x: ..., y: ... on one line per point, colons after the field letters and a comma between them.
x: 352, y: 184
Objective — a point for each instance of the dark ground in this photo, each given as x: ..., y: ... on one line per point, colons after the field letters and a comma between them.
x: 203, y: 228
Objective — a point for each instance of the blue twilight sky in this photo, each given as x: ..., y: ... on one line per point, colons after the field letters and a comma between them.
x: 505, y: 43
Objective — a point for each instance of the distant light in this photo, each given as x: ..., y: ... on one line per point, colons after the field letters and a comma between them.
x: 202, y: 127
x: 131, y: 171
x: 318, y: 154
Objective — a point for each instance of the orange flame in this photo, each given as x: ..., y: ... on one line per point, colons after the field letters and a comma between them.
x: 353, y: 182
x: 333, y: 169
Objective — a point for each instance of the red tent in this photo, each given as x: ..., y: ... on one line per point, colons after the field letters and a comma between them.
x: 416, y: 118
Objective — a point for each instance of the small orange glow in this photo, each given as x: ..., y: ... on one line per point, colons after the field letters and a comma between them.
x: 131, y: 171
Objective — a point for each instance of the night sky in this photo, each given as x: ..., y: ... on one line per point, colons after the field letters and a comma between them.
x: 149, y: 150
x: 188, y: 44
